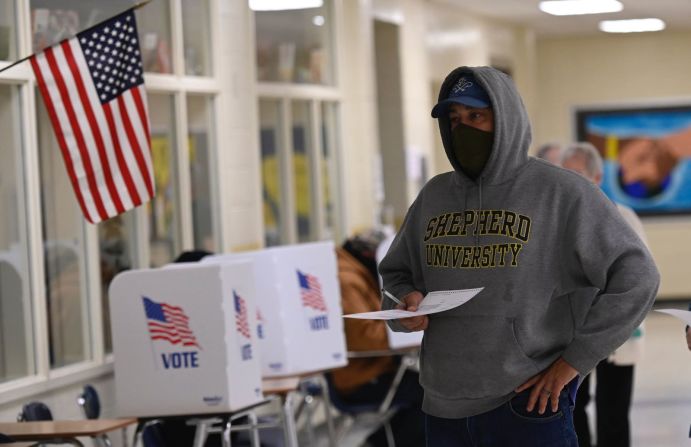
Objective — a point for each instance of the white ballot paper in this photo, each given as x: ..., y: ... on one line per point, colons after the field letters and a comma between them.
x: 433, y: 302
x: 683, y: 315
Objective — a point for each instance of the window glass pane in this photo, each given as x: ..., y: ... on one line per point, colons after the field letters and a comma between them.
x: 8, y: 31
x: 55, y: 20
x: 328, y: 169
x: 295, y: 45
x: 63, y: 248
x: 270, y: 141
x: 116, y: 248
x: 15, y: 309
x: 196, y: 33
x: 302, y: 176
x: 200, y: 126
x: 153, y: 23
x: 163, y: 210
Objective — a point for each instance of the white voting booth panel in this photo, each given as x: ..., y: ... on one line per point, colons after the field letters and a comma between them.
x: 399, y: 340
x: 299, y: 301
x: 184, y: 340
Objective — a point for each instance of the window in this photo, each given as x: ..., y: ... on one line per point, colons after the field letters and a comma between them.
x: 328, y: 169
x: 195, y: 17
x: 299, y: 178
x: 155, y: 41
x: 298, y: 125
x: 16, y: 349
x: 200, y: 129
x: 8, y: 32
x: 295, y: 46
x: 55, y: 20
x: 55, y: 268
x: 302, y: 172
x: 63, y: 252
x: 270, y: 142
x: 117, y: 253
x: 164, y: 221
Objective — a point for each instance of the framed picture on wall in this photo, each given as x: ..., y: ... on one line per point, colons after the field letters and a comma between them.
x: 646, y: 153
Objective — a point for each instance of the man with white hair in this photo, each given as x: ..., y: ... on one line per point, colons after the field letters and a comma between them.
x: 615, y: 374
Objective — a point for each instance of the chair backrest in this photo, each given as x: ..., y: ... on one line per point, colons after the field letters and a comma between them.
x: 35, y: 411
x: 152, y: 434
x: 90, y: 402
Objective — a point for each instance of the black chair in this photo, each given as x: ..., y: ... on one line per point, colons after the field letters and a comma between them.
x: 35, y: 411
x: 4, y: 439
x: 90, y: 404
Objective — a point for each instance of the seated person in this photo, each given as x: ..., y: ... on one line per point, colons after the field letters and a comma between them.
x: 367, y: 380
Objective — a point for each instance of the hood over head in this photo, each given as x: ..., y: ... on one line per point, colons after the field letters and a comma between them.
x: 512, y: 134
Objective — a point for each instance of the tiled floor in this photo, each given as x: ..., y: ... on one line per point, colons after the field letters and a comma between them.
x: 661, y: 412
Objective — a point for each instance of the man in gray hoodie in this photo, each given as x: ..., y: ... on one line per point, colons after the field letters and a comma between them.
x: 502, y: 369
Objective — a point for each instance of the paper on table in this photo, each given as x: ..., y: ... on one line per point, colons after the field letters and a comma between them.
x: 683, y: 315
x: 433, y: 302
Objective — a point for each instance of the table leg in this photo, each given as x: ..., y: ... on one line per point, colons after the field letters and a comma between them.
x: 254, y: 431
x: 289, y: 429
x: 200, y: 434
x: 326, y: 399
x: 226, y: 434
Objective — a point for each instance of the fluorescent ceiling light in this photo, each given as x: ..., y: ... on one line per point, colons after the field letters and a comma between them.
x: 632, y: 26
x: 280, y: 5
x: 578, y: 7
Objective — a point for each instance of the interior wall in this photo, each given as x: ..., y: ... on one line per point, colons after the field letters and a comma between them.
x: 390, y: 116
x: 238, y: 161
x: 625, y: 69
x: 359, y: 125
x: 455, y: 38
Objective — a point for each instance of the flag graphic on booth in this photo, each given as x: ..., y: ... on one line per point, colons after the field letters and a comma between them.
x: 93, y: 89
x: 241, y: 322
x: 260, y: 324
x: 313, y: 301
x: 168, y: 323
x: 242, y: 326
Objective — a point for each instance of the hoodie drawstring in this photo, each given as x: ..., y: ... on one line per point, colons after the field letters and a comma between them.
x: 477, y: 235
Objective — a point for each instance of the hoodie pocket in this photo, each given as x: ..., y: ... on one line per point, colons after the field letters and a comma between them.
x: 473, y: 357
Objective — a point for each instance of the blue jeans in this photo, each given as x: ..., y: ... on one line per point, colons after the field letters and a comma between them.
x: 509, y: 425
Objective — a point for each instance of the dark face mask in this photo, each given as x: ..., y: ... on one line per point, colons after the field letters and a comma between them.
x: 472, y: 148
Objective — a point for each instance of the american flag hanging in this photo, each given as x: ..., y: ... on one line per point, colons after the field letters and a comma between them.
x: 311, y: 291
x: 169, y: 323
x: 241, y: 322
x: 93, y: 89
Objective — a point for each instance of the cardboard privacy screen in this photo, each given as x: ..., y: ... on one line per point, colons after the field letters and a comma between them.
x: 299, y: 302
x: 185, y: 340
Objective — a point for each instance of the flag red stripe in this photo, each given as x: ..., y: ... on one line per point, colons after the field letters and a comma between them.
x: 122, y: 164
x: 60, y: 136
x: 171, y: 308
x: 134, y: 143
x: 95, y: 129
x: 175, y: 316
x: 174, y: 341
x: 141, y: 110
x: 74, y: 124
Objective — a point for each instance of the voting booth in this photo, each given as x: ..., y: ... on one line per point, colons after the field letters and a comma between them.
x: 299, y: 302
x: 184, y: 340
x: 398, y: 340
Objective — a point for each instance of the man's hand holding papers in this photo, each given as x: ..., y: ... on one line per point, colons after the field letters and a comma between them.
x: 415, y: 308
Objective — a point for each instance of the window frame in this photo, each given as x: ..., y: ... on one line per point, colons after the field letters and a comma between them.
x: 315, y: 95
x: 42, y: 377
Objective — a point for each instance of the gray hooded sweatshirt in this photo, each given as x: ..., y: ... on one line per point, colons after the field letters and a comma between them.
x: 536, y: 237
